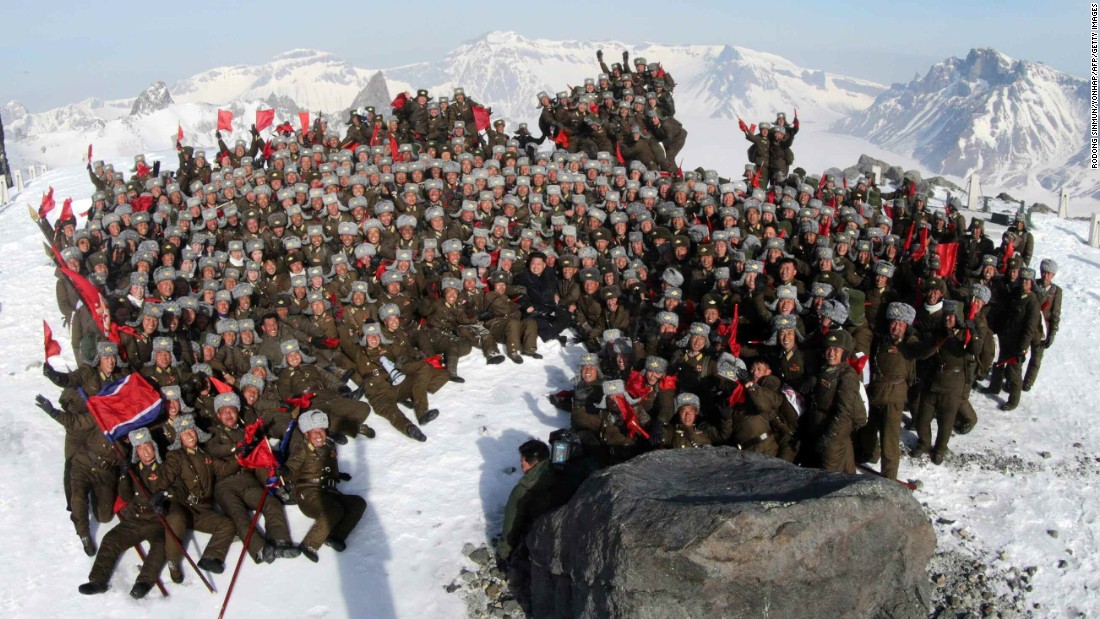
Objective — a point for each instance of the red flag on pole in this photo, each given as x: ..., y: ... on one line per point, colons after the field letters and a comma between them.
x: 629, y: 417
x: 89, y: 154
x: 179, y: 132
x: 47, y: 204
x: 220, y: 386
x: 91, y: 297
x: 225, y: 120
x: 261, y: 457
x: 481, y: 117
x: 562, y: 139
x: 303, y: 118
x: 399, y: 101
x: 949, y: 253
x: 619, y: 153
x: 264, y: 119
x: 52, y: 347
x: 66, y: 210
x: 732, y: 343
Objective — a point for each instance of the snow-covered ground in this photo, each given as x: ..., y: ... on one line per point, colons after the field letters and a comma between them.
x: 1016, y: 477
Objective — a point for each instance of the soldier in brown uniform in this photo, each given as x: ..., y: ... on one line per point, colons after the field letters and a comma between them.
x: 1019, y: 330
x: 839, y: 406
x: 349, y: 416
x: 947, y: 384
x: 313, y: 472
x: 138, y: 521
x: 188, y: 502
x: 1049, y: 295
x: 687, y: 433
x: 240, y: 493
x: 384, y: 385
x: 893, y: 371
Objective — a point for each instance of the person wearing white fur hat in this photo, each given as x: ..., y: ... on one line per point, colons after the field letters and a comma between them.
x: 312, y: 470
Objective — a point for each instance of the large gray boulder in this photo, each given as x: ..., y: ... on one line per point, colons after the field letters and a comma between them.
x: 718, y: 532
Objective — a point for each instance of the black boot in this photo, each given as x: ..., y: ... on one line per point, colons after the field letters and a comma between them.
x: 532, y: 354
x: 140, y: 589
x: 428, y: 416
x: 92, y: 588
x: 455, y: 378
x: 89, y: 545
x: 308, y: 552
x: 495, y: 359
x: 268, y: 554
x: 174, y: 572
x: 367, y: 431
x: 338, y: 438
x: 336, y: 544
x: 515, y: 357
x: 414, y: 433
x: 214, y: 566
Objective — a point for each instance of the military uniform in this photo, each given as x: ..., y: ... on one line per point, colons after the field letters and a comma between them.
x: 313, y: 473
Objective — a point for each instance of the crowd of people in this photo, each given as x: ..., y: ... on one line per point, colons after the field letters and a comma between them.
x: 282, y: 290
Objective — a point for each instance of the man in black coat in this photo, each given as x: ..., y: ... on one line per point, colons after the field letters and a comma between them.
x: 540, y: 300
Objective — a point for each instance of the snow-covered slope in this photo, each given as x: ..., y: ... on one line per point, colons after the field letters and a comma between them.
x: 1008, y: 483
x: 1015, y: 122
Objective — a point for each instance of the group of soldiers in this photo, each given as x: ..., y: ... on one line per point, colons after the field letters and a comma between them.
x: 281, y: 291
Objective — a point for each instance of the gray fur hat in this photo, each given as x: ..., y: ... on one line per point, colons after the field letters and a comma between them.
x: 980, y: 292
x: 181, y: 425
x: 686, y: 399
x: 312, y: 419
x: 730, y: 367
x: 903, y: 312
x: 1048, y: 266
x: 141, y: 436
x: 835, y: 311
x: 656, y: 364
x: 226, y: 399
x: 672, y: 277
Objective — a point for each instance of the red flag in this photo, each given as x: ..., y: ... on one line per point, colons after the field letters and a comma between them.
x: 374, y: 135
x: 52, y: 347
x: 120, y: 504
x: 858, y: 362
x: 399, y: 101
x: 667, y: 382
x: 562, y: 139
x: 142, y: 204
x: 225, y: 120
x: 619, y: 153
x: 47, y: 204
x: 179, y: 132
x: 481, y: 117
x: 436, y: 361
x: 629, y: 417
x: 731, y: 343
x: 303, y: 118
x: 756, y: 179
x: 220, y: 386
x: 125, y: 404
x: 260, y: 457
x: 284, y: 128
x: 909, y: 236
x: 94, y: 300
x: 142, y: 170
x: 948, y: 253
x: 302, y: 400
x: 66, y: 210
x: 393, y: 147
x: 1010, y: 249
x: 635, y: 385
x: 269, y: 150
x: 89, y: 154
x: 264, y: 119
x: 738, y: 394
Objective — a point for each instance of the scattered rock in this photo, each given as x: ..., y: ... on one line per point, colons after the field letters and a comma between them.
x: 468, y: 549
x: 1045, y: 454
x: 480, y: 556
x: 1053, y: 533
x: 1062, y: 563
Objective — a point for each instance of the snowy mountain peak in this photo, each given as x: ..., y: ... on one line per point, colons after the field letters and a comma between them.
x: 155, y: 98
x: 1016, y: 122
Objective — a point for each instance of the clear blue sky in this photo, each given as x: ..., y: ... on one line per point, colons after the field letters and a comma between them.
x: 53, y: 53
